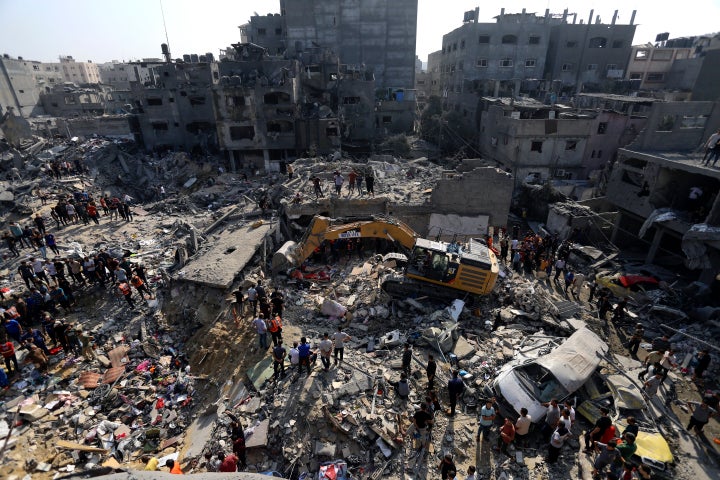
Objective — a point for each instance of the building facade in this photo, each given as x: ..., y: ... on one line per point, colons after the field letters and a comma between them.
x: 655, y: 174
x: 176, y: 109
x: 378, y: 35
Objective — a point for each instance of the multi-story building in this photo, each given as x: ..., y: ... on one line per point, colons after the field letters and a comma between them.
x: 651, y: 184
x: 590, y: 56
x: 22, y: 81
x: 494, y: 58
x: 544, y: 142
x: 267, y: 31
x: 378, y: 35
x: 18, y: 86
x: 652, y: 65
x: 175, y: 110
x: 119, y: 75
x: 698, y: 72
x: 256, y: 105
x: 73, y: 101
x: 79, y: 73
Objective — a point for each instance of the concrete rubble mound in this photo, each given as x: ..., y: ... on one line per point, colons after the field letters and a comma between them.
x: 183, y: 370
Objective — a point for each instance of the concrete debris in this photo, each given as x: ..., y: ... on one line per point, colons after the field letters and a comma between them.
x: 183, y: 374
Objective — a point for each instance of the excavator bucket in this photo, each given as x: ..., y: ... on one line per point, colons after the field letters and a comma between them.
x: 284, y: 257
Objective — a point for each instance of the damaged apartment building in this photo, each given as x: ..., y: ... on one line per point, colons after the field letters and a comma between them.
x: 297, y: 83
x: 666, y: 199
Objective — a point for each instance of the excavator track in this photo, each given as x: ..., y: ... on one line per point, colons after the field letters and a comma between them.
x: 398, y: 286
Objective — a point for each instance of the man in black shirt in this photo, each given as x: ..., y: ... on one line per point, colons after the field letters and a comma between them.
x: 430, y: 370
x: 278, y: 354
x: 423, y: 421
x: 407, y: 359
x: 602, y: 424
x: 455, y: 388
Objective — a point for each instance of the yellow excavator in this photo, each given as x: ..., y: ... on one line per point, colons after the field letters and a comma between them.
x: 444, y: 270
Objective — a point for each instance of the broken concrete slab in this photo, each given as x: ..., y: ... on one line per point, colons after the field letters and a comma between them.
x: 259, y: 436
x: 260, y: 372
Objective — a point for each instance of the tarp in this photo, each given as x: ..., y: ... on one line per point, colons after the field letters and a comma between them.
x: 573, y: 362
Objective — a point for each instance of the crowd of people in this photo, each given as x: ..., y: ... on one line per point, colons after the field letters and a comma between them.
x: 32, y: 318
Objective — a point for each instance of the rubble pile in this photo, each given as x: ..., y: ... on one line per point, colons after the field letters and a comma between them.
x: 166, y: 380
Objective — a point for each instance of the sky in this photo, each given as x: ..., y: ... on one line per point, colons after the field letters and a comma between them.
x: 106, y: 30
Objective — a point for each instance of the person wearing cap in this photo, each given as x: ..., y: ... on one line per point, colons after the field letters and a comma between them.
x: 637, y: 336
x: 602, y: 424
x: 557, y: 439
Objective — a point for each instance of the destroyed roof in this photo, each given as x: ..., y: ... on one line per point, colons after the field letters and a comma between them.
x: 576, y: 359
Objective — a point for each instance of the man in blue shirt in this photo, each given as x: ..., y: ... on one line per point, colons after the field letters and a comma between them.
x: 305, y: 352
x: 13, y: 329
x: 487, y: 419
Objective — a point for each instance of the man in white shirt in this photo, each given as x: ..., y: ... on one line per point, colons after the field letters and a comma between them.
x: 522, y: 427
x: 339, y: 338
x: 252, y: 299
x: 261, y: 328
x: 471, y: 473
x: 295, y: 356
x: 325, y: 346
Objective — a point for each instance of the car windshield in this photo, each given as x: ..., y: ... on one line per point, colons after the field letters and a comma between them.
x: 541, y: 383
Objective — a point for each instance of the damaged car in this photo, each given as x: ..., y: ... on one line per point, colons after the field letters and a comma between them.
x: 530, y: 382
x: 633, y: 287
x: 624, y: 398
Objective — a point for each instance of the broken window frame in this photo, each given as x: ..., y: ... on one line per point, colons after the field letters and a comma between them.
x: 483, y: 39
x: 536, y: 146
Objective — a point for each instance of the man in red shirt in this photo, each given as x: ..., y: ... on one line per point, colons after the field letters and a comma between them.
x: 507, y: 435
x: 7, y: 350
x: 227, y: 464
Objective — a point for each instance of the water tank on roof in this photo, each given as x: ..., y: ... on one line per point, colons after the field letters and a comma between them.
x: 193, y: 58
x: 186, y: 58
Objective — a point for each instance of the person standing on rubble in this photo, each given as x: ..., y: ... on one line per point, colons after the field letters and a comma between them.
x: 522, y: 427
x: 370, y: 182
x: 430, y: 372
x: 423, y: 421
x: 455, y: 388
x: 507, y: 435
x: 252, y: 299
x: 619, y: 311
x: 304, y: 352
x: 602, y: 424
x: 487, y: 419
x: 316, y: 187
x: 325, y: 347
x: 352, y: 178
x: 559, y: 268
x: 261, y: 328
x: 338, y: 179
x: 407, y: 359
x: 552, y: 418
x: 277, y: 299
x: 703, y: 362
x: 275, y: 328
x: 339, y: 339
x: 637, y: 336
x: 7, y: 349
x: 126, y: 292
x: 278, y: 354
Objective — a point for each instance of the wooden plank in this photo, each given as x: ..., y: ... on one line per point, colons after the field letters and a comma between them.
x: 78, y: 446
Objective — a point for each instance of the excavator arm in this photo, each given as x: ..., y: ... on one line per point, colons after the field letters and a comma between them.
x: 292, y: 254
